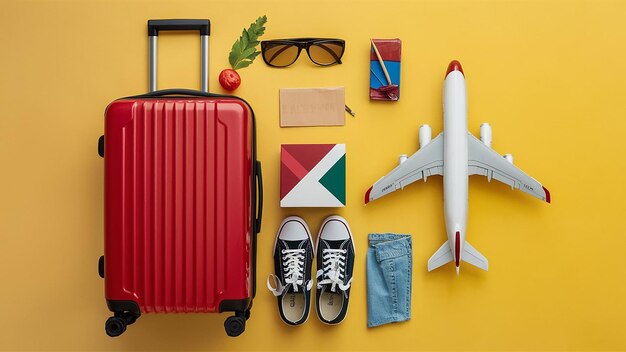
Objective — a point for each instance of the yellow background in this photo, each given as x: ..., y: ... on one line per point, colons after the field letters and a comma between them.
x: 548, y: 76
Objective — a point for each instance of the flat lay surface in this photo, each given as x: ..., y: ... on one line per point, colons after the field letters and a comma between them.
x: 547, y: 76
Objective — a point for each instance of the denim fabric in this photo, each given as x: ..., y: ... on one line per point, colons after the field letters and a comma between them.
x: 388, y: 278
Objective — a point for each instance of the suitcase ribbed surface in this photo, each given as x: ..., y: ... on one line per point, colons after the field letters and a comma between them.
x: 184, y: 204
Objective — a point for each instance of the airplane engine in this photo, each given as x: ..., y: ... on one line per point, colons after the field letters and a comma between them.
x: 485, y: 134
x: 509, y: 158
x: 402, y: 159
x: 425, y: 135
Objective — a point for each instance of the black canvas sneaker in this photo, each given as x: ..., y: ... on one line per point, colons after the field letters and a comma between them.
x: 335, y: 261
x: 293, y: 258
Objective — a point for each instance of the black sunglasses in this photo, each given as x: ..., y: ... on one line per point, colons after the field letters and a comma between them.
x: 284, y: 52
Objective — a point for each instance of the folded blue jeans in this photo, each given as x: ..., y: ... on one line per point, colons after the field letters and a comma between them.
x: 389, y: 259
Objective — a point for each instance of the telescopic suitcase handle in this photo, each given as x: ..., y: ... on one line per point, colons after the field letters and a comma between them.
x: 203, y: 26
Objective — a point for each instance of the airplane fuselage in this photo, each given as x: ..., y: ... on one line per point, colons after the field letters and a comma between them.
x: 455, y: 169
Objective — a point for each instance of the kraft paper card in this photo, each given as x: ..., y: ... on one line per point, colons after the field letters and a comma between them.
x: 312, y: 107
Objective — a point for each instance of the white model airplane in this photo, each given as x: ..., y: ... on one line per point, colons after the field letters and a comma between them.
x: 456, y: 154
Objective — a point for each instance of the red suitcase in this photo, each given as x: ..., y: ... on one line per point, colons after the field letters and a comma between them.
x: 181, y: 182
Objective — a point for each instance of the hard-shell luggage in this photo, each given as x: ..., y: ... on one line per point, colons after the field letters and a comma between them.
x: 181, y: 208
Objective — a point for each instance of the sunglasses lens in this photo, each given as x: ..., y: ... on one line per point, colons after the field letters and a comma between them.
x: 280, y: 55
x: 326, y: 53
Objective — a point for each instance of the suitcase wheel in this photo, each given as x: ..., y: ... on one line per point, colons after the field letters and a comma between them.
x: 235, y: 325
x: 128, y: 317
x: 115, y: 326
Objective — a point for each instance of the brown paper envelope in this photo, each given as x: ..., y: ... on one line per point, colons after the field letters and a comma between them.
x: 312, y: 107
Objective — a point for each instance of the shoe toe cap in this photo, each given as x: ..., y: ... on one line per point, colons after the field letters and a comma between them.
x: 293, y: 230
x: 335, y: 229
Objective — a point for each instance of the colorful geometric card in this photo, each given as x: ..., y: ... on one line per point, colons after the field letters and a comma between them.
x: 313, y: 175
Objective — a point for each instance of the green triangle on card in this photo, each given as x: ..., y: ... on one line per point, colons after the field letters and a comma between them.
x: 335, y: 180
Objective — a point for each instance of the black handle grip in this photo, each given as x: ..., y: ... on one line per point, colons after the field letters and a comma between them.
x: 154, y: 26
x: 259, y: 177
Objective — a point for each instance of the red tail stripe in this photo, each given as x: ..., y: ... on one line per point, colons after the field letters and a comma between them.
x: 457, y: 248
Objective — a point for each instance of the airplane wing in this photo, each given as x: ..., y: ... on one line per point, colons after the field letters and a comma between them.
x: 484, y: 161
x: 425, y: 162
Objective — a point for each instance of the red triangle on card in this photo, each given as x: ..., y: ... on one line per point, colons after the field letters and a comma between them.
x: 287, y: 180
x: 308, y: 155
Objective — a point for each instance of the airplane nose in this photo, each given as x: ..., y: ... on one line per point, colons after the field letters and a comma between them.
x: 454, y: 66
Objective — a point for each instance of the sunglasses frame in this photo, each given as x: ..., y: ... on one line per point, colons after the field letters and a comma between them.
x: 303, y: 43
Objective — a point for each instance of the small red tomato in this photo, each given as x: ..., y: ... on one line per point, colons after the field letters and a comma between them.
x: 229, y: 79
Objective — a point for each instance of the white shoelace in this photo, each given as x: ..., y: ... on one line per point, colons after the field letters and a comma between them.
x: 293, y: 268
x: 334, y: 270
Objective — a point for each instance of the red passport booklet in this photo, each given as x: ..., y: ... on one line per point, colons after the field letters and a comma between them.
x: 385, y: 75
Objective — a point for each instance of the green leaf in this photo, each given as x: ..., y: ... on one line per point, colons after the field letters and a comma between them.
x: 241, y: 64
x: 232, y: 58
x: 244, y: 40
x: 249, y: 52
x: 243, y: 51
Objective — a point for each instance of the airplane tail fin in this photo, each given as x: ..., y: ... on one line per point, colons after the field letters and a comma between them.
x: 474, y: 257
x: 470, y: 255
x: 442, y: 256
